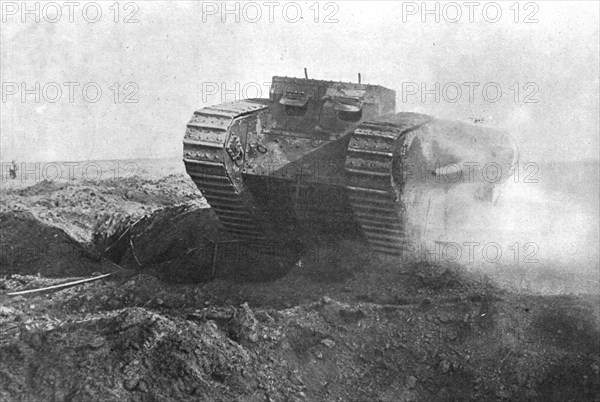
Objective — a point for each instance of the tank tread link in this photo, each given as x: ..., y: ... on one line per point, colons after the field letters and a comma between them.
x: 374, y: 193
x: 205, y: 161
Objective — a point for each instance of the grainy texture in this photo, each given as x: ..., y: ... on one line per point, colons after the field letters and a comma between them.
x: 340, y: 324
x: 296, y: 134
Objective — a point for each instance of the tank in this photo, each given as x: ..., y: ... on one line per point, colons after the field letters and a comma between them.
x: 321, y: 159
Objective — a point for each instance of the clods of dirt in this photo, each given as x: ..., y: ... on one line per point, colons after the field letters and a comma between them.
x: 337, y: 323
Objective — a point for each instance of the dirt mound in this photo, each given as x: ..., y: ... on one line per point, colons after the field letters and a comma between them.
x: 186, y: 243
x: 87, y: 209
x: 174, y: 243
x: 30, y: 246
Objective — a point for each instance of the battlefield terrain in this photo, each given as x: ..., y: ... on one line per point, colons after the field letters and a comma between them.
x: 190, y: 314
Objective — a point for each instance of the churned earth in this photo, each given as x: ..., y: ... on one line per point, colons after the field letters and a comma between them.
x: 189, y: 314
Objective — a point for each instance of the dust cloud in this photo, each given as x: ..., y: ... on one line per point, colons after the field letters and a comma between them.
x: 537, y: 234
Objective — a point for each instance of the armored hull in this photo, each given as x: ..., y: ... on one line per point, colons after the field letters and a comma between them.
x: 322, y: 158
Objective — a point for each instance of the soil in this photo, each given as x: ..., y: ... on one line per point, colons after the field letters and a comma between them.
x: 191, y: 315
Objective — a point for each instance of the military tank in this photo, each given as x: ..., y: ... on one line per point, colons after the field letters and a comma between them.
x: 324, y: 158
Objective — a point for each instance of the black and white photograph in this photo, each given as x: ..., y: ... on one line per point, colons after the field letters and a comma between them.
x: 393, y: 201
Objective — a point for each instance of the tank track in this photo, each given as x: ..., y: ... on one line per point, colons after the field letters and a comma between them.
x: 205, y: 156
x: 374, y: 193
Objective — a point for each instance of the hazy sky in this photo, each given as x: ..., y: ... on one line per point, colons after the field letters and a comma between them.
x: 172, y: 60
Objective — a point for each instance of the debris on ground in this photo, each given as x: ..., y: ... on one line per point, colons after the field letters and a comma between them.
x: 191, y: 316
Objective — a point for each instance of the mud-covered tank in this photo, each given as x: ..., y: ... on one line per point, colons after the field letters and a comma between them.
x: 322, y: 158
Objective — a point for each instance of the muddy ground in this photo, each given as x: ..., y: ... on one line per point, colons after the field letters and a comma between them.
x: 190, y: 315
